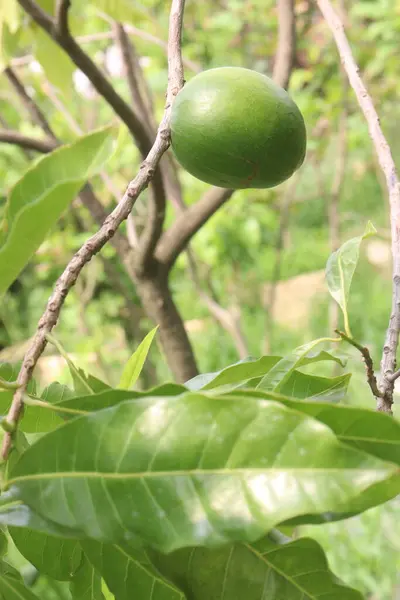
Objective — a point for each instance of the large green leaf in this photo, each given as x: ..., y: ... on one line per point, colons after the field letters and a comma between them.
x: 368, y: 430
x: 304, y: 355
x: 40, y: 197
x: 86, y: 583
x: 58, y: 558
x: 340, y: 270
x: 134, y: 366
x: 193, y: 470
x: 129, y: 573
x: 265, y: 570
x: 302, y: 385
x: 14, y: 513
x: 234, y: 375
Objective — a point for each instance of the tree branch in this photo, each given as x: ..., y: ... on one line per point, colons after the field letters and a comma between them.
x: 8, y: 136
x: 176, y: 238
x: 286, y: 50
x: 61, y: 24
x: 388, y: 362
x: 156, y: 216
x: 89, y: 68
x: 109, y: 227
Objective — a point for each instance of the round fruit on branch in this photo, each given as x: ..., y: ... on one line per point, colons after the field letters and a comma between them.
x: 235, y: 128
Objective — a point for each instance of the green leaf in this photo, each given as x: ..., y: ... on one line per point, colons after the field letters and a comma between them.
x: 12, y: 588
x: 85, y: 382
x: 39, y: 418
x: 122, y: 10
x: 58, y: 558
x: 40, y: 197
x: 329, y: 389
x: 3, y: 543
x: 112, y: 397
x: 370, y: 431
x: 134, y: 366
x: 56, y: 64
x: 261, y: 571
x: 86, y: 583
x: 13, y: 513
x: 10, y: 372
x: 9, y: 26
x: 234, y: 375
x: 280, y: 373
x: 193, y: 470
x: 340, y: 270
x: 56, y: 392
x: 129, y: 572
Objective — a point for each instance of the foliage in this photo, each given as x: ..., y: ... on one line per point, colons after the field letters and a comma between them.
x: 188, y: 491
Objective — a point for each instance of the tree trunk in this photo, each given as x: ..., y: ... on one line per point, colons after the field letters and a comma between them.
x: 159, y: 305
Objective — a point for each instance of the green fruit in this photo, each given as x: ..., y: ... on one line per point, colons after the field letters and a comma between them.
x: 236, y: 128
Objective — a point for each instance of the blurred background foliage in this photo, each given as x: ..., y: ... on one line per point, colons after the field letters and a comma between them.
x: 261, y: 239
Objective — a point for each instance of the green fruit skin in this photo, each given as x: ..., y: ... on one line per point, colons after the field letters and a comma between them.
x: 235, y: 128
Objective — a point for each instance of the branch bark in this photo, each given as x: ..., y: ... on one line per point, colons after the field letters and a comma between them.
x: 286, y: 50
x: 382, y: 149
x: 109, y: 227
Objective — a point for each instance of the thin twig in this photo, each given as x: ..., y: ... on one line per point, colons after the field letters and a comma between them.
x: 388, y: 361
x: 8, y: 136
x: 131, y: 73
x: 109, y: 227
x: 30, y: 105
x: 369, y: 365
x: 156, y: 216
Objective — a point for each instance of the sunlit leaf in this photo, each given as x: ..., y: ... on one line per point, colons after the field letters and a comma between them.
x: 56, y: 64
x: 340, y: 270
x: 43, y: 193
x: 368, y: 430
x: 304, y: 355
x: 193, y: 469
x: 134, y: 366
x: 234, y: 375
x: 303, y: 385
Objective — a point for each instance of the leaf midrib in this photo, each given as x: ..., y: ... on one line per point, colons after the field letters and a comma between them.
x: 190, y: 473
